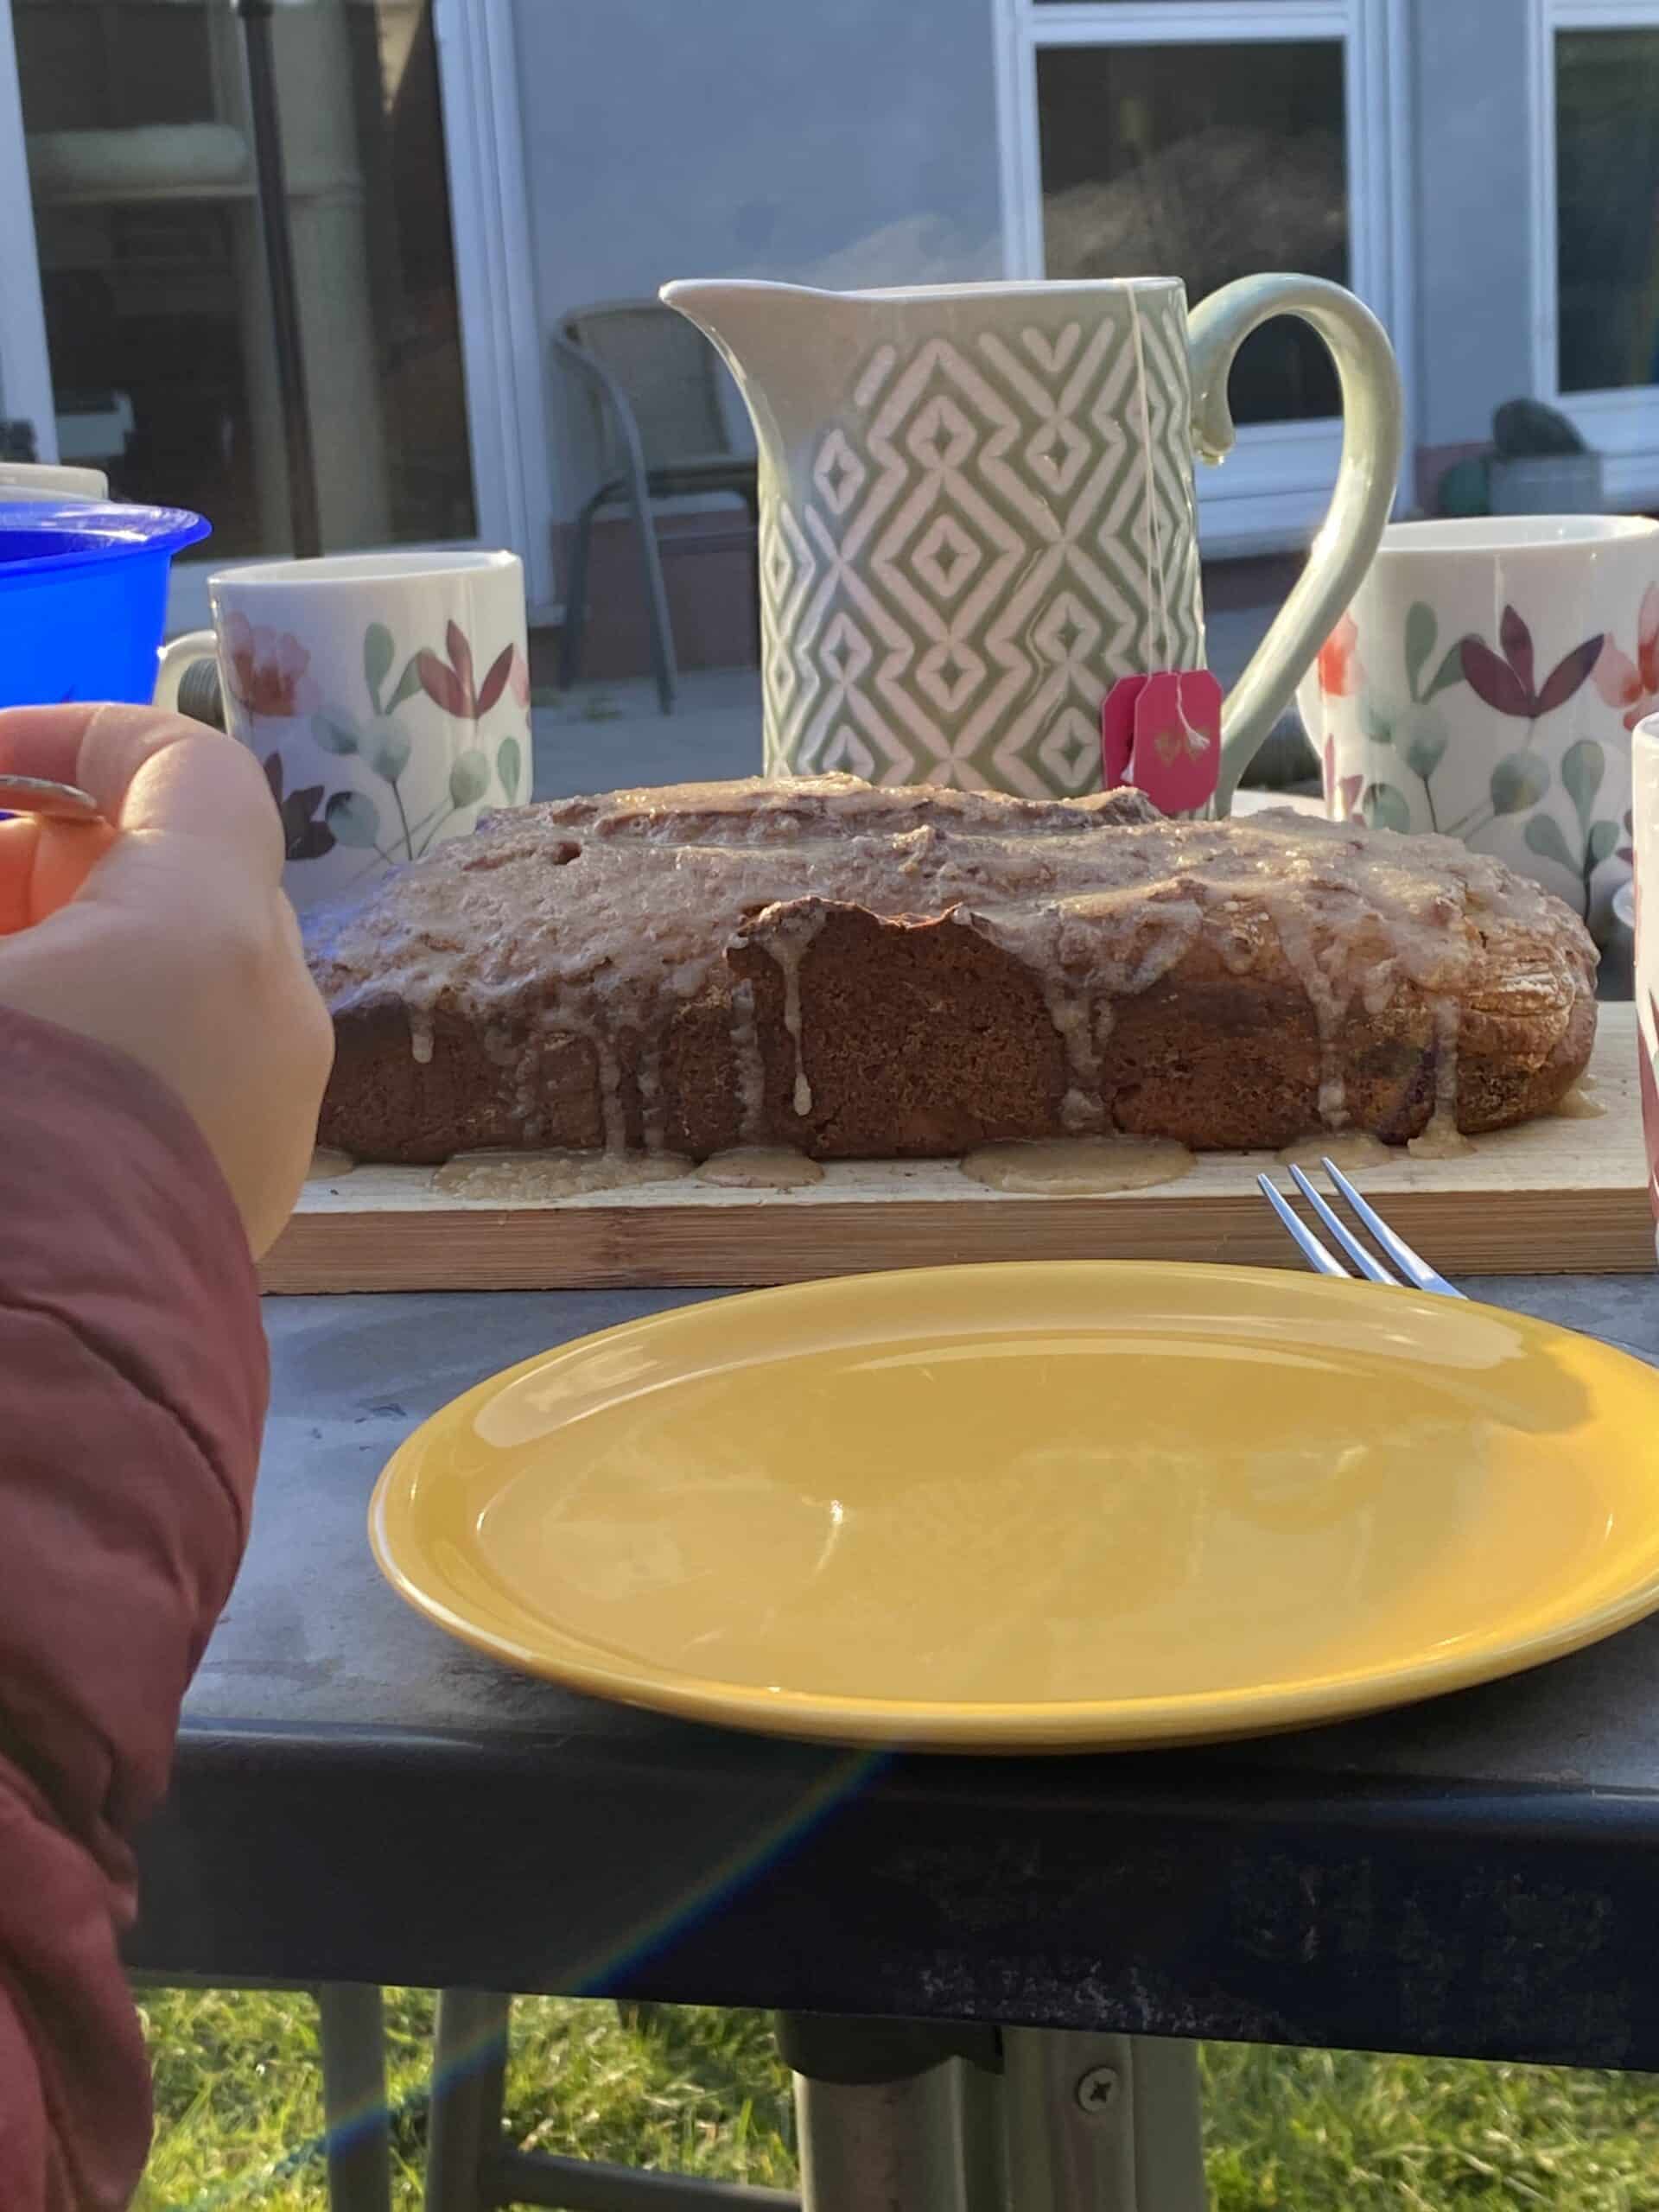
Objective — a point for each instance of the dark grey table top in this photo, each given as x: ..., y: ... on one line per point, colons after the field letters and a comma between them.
x: 357, y: 1797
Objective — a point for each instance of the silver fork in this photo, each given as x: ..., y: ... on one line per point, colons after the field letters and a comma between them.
x: 1413, y: 1270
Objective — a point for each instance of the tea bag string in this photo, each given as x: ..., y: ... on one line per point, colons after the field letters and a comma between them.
x: 1155, y: 533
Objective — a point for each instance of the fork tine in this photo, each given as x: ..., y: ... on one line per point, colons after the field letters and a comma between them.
x: 1415, y: 1269
x: 1367, y: 1262
x: 1319, y: 1257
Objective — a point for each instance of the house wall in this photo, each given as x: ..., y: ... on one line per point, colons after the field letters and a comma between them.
x: 851, y: 144
x: 1472, y: 220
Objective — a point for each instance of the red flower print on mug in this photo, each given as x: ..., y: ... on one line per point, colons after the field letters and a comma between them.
x: 269, y: 670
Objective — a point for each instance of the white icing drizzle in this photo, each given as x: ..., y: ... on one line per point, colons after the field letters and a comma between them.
x: 1329, y: 997
x: 761, y: 1168
x: 420, y: 1036
x: 1442, y: 1139
x: 788, y: 946
x: 1078, y: 1167
x: 648, y: 1078
x: 1083, y: 1110
x: 514, y: 1178
x: 751, y: 1066
x: 612, y: 1116
x: 1582, y: 1102
x: 1349, y: 1148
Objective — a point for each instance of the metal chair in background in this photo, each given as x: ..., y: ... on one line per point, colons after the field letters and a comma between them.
x: 653, y: 383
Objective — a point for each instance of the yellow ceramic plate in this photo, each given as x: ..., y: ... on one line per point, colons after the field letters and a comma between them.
x: 1067, y: 1505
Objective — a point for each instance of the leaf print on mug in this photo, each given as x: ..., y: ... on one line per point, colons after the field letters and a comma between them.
x: 303, y: 838
x: 354, y: 818
x: 377, y: 651
x: 387, y: 749
x: 1583, y: 770
x: 1543, y: 836
x: 1519, y: 781
x: 384, y: 746
x: 1583, y: 766
x: 1633, y: 685
x: 449, y: 683
x: 1507, y: 685
x: 1381, y: 807
x: 1419, y: 733
x: 469, y: 778
x: 1422, y: 633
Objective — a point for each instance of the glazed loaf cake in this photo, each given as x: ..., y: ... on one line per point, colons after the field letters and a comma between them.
x: 865, y: 973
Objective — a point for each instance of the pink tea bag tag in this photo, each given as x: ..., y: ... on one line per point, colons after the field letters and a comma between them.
x: 1117, y: 728
x: 1162, y: 733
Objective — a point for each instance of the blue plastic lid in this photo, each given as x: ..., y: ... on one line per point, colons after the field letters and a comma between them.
x: 36, y: 538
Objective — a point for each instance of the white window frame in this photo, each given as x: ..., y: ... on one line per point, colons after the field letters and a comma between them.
x: 1273, y: 491
x: 1621, y: 424
x: 501, y: 341
x: 25, y: 372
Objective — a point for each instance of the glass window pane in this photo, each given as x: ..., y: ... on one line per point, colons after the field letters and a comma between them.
x: 1207, y: 162
x: 1607, y: 227
x: 153, y: 275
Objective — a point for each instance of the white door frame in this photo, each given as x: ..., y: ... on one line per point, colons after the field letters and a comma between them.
x: 501, y: 343
x: 1623, y: 424
x: 501, y: 334
x: 1272, y: 492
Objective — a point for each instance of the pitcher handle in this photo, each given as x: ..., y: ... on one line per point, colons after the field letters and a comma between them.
x: 1373, y: 440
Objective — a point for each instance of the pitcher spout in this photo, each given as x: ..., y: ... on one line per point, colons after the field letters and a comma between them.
x: 787, y: 346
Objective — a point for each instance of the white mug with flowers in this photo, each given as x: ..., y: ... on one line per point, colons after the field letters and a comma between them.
x: 385, y: 694
x: 1483, y: 683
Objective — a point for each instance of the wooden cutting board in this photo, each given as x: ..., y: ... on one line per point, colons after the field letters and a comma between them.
x: 1555, y: 1197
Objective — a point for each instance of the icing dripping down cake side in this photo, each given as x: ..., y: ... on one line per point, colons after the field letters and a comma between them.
x: 867, y: 973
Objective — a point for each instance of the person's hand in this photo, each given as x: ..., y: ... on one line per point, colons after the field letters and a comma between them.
x: 163, y: 931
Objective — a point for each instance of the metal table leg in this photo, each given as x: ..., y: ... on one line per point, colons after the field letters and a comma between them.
x: 887, y: 2116
x: 885, y: 2146
x: 1102, y: 2123
x: 352, y: 2035
x: 469, y: 2070
x: 898, y: 2116
x: 984, y: 2150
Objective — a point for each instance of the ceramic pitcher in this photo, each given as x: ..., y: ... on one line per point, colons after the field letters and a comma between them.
x: 978, y: 513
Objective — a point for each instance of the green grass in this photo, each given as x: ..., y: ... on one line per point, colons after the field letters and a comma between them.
x: 238, y: 2112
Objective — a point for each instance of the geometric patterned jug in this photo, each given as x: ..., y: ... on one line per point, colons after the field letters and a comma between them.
x: 978, y: 513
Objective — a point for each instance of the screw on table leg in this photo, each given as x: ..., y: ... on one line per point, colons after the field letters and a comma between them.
x: 352, y: 2035
x: 1102, y: 2123
x: 469, y: 2066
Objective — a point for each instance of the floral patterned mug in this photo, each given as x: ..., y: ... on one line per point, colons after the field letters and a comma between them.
x: 1484, y: 683
x: 386, y: 695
